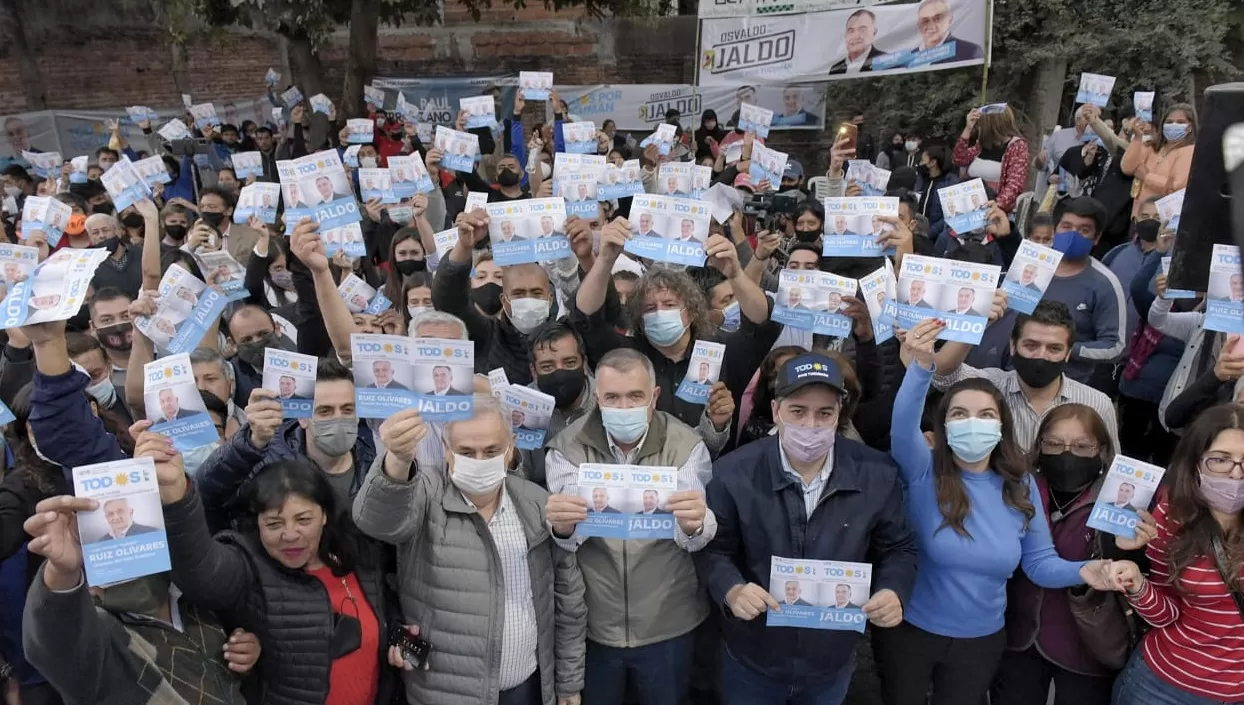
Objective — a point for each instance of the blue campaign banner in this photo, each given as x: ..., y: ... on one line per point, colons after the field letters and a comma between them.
x: 812, y: 617
x: 191, y: 331
x: 297, y: 408
x: 379, y: 303
x: 375, y: 403
x: 832, y: 324
x: 924, y: 57
x: 627, y: 526
x: 1224, y: 316
x: 693, y: 391
x: 529, y: 439
x: 674, y: 251
x: 793, y: 317
x: 967, y: 222
x: 461, y: 162
x: 1120, y: 521
x: 1022, y: 298
x: 119, y: 560
x: 526, y: 251
x: 443, y: 408
x: 192, y: 432
x: 852, y: 245
x: 893, y: 60
x: 337, y: 213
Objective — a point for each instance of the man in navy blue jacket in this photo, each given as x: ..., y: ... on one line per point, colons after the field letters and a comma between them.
x: 802, y: 494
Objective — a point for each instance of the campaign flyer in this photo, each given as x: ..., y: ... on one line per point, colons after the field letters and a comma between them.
x: 619, y: 181
x: 854, y: 226
x: 321, y: 103
x: 258, y: 199
x: 1224, y: 299
x: 668, y: 229
x: 45, y: 214
x: 174, y: 404
x: 576, y: 166
x: 360, y: 131
x: 174, y: 130
x: 481, y: 111
x: 124, y: 538
x: 350, y: 157
x: 272, y: 77
x: 871, y: 179
x: 1030, y: 275
x: 813, y: 300
x: 374, y: 97
x: 225, y: 273
x: 409, y: 175
x: 476, y: 201
x: 320, y: 189
x: 360, y: 297
x: 1143, y: 102
x: 819, y: 594
x: 529, y: 412
x: 54, y: 290
x: 458, y: 149
x: 152, y: 171
x: 247, y: 164
x: 77, y: 173
x: 579, y: 137
x: 960, y: 293
x: 291, y: 377
x: 535, y: 85
x: 662, y: 137
x: 393, y: 372
x: 627, y: 501
x: 755, y: 119
x: 1169, y: 208
x: 1129, y: 486
x: 876, y: 289
x: 766, y: 165
x: 965, y: 206
x: 497, y: 381
x: 579, y: 195
x: 124, y: 185
x: 291, y: 97
x: 684, y: 180
x: 531, y: 230
x: 993, y: 108
x: 17, y: 262
x: 204, y: 115
x: 376, y: 183
x: 703, y: 370
x: 1165, y: 268
x: 185, y: 309
x: 1095, y: 89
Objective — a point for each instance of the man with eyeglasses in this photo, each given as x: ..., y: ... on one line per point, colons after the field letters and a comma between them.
x: 934, y: 20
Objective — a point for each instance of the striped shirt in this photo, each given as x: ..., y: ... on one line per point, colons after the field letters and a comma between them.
x: 1197, y: 643
x: 1026, y: 420
x: 811, y: 490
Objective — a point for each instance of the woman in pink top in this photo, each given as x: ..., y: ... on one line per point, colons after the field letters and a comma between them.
x: 1165, y: 171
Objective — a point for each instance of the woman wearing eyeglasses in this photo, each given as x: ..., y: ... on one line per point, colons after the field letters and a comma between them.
x: 1194, y: 655
x: 1044, y: 642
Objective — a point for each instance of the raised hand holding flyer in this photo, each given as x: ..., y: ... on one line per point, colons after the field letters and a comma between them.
x: 77, y: 173
x: 360, y: 297
x: 1169, y: 208
x: 152, y: 171
x: 819, y: 594
x: 993, y: 108
x: 291, y: 377
x: 350, y: 157
x: 1129, y: 486
x: 1095, y: 89
x: 321, y: 103
x: 291, y: 97
x: 529, y: 412
x: 1224, y: 299
x: 259, y: 199
x: 1030, y: 274
x: 204, y: 115
x: 965, y: 205
x: 185, y: 309
x: 174, y: 404
x: 45, y: 164
x: 247, y: 164
x: 139, y: 113
x: 703, y: 370
x: 854, y: 226
x: 458, y: 149
x: 54, y: 291
x: 878, y: 288
x: 662, y: 137
x: 580, y: 197
x: 961, y: 293
x: 627, y: 501
x: 409, y: 175
x: 124, y: 538
x: 481, y: 111
x: 755, y: 119
x: 47, y: 215
x: 668, y: 229
x: 535, y: 85
x: 476, y: 201
x: 1165, y: 267
x: 532, y: 230
x: 124, y: 185
x: 1143, y: 102
x: 360, y: 131
x: 174, y: 130
x: 767, y: 165
x: 272, y: 77
x: 393, y: 372
x: 374, y: 97
x: 376, y: 183
x: 225, y: 273
x: 579, y: 137
x: 445, y: 240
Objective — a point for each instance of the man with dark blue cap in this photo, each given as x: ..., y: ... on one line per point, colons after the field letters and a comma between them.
x: 802, y: 494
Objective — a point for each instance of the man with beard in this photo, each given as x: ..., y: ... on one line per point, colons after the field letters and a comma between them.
x: 109, y: 312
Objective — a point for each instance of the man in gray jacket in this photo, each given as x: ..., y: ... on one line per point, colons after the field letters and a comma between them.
x: 480, y: 577
x: 644, y: 601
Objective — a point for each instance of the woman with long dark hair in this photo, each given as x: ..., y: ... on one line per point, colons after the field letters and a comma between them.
x: 1192, y: 595
x: 993, y: 149
x: 407, y: 259
x: 977, y: 516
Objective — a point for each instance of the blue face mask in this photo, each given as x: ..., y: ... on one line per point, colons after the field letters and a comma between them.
x: 664, y: 327
x: 1174, y: 131
x: 625, y: 425
x: 733, y: 316
x: 1072, y: 244
x: 973, y: 439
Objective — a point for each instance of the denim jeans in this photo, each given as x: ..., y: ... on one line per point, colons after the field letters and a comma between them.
x: 743, y: 686
x: 660, y: 673
x: 1138, y: 685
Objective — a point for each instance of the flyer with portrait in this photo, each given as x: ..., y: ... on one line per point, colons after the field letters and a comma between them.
x: 445, y: 240
x: 497, y: 381
x: 376, y: 183
x: 1095, y: 89
x: 174, y: 405
x: 871, y: 179
x: 702, y: 371
x: 186, y: 100
x: 476, y: 201
x: 1030, y: 274
x: 579, y: 137
x: 1224, y: 298
x: 576, y: 166
x: 124, y: 538
x: 204, y: 115
x: 360, y: 297
x: 77, y: 169
x: 291, y: 97
x: 174, y: 130
x: 529, y: 412
x: 409, y: 175
x: 124, y: 185
x: 458, y: 149
x: 813, y: 300
x: 755, y: 119
x: 579, y: 195
x: 1142, y: 101
x: 55, y: 290
x: 620, y: 181
x: 291, y: 377
x: 960, y: 293
x: 324, y: 192
x: 321, y: 103
x: 247, y: 164
x: 295, y: 206
x: 152, y: 171
x: 408, y: 111
x: 1169, y: 208
x: 47, y: 215
x: 225, y: 273
x: 360, y: 131
x: 535, y: 85
x: 185, y: 309
x: 662, y: 137
x: 139, y: 113
x: 350, y: 157
x: 259, y: 199
x: 18, y: 262
x: 965, y: 206
x: 433, y: 375
x: 854, y: 226
x: 374, y: 97
x: 531, y: 230
x: 766, y: 165
x: 668, y: 229
x: 819, y: 594
x: 876, y: 289
x: 45, y: 164
x: 626, y: 501
x: 481, y: 111
x: 1164, y: 266
x: 1129, y: 485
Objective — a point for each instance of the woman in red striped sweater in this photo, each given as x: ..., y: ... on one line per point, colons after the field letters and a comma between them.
x: 1195, y: 653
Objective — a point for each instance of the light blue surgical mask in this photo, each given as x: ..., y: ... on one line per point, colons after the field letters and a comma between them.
x: 625, y: 425
x: 1072, y: 244
x: 1174, y: 131
x: 973, y: 439
x: 103, y: 392
x: 733, y: 317
x: 664, y: 327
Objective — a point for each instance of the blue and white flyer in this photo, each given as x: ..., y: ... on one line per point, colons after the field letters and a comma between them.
x: 532, y: 230
x: 703, y: 370
x: 1030, y: 275
x: 854, y: 226
x: 1224, y: 300
x: 819, y: 594
x: 458, y: 149
x: 579, y: 194
x: 174, y: 405
x: 876, y: 289
x: 185, y: 309
x: 965, y: 206
x: 124, y: 538
x: 1095, y: 89
x: 47, y: 215
x: 247, y: 164
x: 481, y: 111
x: 627, y: 501
x: 1165, y: 268
x: 360, y: 297
x: 535, y: 85
x: 360, y: 131
x: 291, y: 377
x: 394, y: 372
x: 1169, y: 208
x: 766, y: 165
x: 409, y: 175
x: 259, y: 199
x: 529, y: 412
x: 755, y: 119
x: 55, y: 290
x: 124, y: 184
x: 324, y: 191
x: 668, y: 229
x: 1129, y: 486
x: 579, y: 137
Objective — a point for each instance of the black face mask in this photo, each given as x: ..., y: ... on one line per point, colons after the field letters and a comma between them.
x: 104, y: 208
x: 408, y: 267
x: 1068, y: 472
x: 176, y: 232
x: 488, y: 298
x: 1036, y: 371
x: 808, y: 236
x: 1146, y: 230
x: 213, y: 219
x: 505, y: 177
x: 252, y: 353
x: 851, y: 267
x: 564, y: 386
x: 132, y: 220
x: 922, y: 171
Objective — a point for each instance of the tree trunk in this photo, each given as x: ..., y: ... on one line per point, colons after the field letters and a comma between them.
x: 1045, y: 102
x: 308, y: 76
x: 27, y: 66
x: 361, y: 60
x: 181, y: 69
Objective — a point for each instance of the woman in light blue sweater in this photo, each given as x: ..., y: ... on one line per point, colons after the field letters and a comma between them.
x: 977, y: 516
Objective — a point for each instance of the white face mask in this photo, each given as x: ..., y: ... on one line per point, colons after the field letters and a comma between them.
x: 103, y: 392
x: 546, y: 170
x: 418, y: 310
x: 367, y: 162
x: 528, y: 314
x: 477, y: 476
x: 12, y: 191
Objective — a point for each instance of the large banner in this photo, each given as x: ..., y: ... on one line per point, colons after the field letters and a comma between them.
x: 437, y: 98
x: 643, y: 107
x: 743, y: 8
x: 849, y: 43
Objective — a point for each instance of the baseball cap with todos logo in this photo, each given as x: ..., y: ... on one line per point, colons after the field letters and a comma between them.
x: 810, y: 368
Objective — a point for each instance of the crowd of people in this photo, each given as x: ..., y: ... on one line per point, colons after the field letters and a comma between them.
x: 309, y: 554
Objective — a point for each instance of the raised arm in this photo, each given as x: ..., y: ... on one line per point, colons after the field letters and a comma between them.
x: 907, y: 444
x: 451, y: 285
x: 1041, y: 561
x: 306, y: 245
x: 392, y: 503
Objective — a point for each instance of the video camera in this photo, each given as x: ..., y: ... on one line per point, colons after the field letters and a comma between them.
x: 768, y: 208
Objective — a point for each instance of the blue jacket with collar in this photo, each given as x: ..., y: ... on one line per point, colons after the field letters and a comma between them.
x: 760, y: 514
